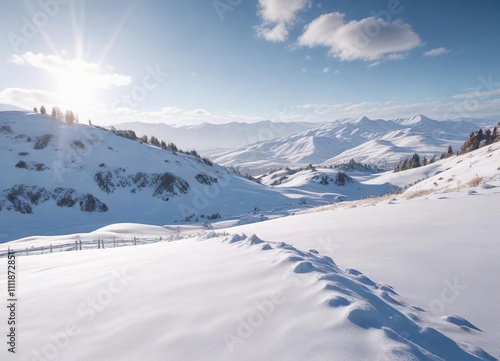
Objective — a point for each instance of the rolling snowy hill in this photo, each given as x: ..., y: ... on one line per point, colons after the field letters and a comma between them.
x: 380, y: 142
x: 78, y: 177
x: 9, y: 107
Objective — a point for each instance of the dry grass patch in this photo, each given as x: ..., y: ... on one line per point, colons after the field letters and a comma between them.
x: 475, y: 182
x: 417, y: 193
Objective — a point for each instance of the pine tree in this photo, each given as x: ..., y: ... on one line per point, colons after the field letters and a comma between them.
x: 43, y: 110
x: 154, y: 141
x: 415, y: 161
x: 69, y: 117
x: 194, y: 153
x: 448, y: 153
x: 487, y: 137
x: 57, y: 113
x: 341, y: 178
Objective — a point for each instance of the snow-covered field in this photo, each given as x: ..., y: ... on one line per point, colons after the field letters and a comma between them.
x: 410, y: 281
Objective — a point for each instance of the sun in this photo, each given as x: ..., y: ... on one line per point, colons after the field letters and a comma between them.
x: 77, y: 89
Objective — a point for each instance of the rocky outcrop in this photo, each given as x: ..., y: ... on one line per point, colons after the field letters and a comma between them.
x: 22, y: 198
x: 163, y: 185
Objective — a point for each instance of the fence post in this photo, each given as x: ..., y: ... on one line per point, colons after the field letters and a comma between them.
x: 135, y: 241
x: 102, y: 242
x: 51, y: 248
x: 76, y: 245
x: 80, y: 244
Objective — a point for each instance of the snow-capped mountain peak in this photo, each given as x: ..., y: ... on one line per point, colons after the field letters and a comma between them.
x: 380, y: 142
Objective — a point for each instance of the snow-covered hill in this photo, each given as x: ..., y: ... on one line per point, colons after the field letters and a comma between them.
x: 208, y: 138
x: 334, y: 184
x: 77, y: 177
x: 455, y: 173
x: 9, y: 107
x: 381, y: 142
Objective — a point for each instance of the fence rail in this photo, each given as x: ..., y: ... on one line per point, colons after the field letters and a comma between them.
x: 80, y: 245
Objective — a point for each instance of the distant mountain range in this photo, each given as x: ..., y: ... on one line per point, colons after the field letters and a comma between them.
x: 379, y: 142
x: 256, y: 148
x: 209, y: 138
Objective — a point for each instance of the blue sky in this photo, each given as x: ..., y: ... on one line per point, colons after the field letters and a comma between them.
x: 190, y: 61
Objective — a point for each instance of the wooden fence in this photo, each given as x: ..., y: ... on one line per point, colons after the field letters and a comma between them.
x: 80, y: 245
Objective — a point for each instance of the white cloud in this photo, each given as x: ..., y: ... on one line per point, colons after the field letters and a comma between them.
x: 28, y: 98
x: 369, y: 39
x: 439, y: 109
x: 477, y: 94
x: 198, y: 113
x: 326, y: 70
x: 396, y: 56
x: 390, y: 57
x: 170, y: 115
x: 436, y: 52
x: 172, y: 110
x: 100, y: 77
x: 275, y: 33
x: 277, y: 18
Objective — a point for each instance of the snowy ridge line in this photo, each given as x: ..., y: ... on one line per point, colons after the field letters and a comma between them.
x: 354, y: 298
